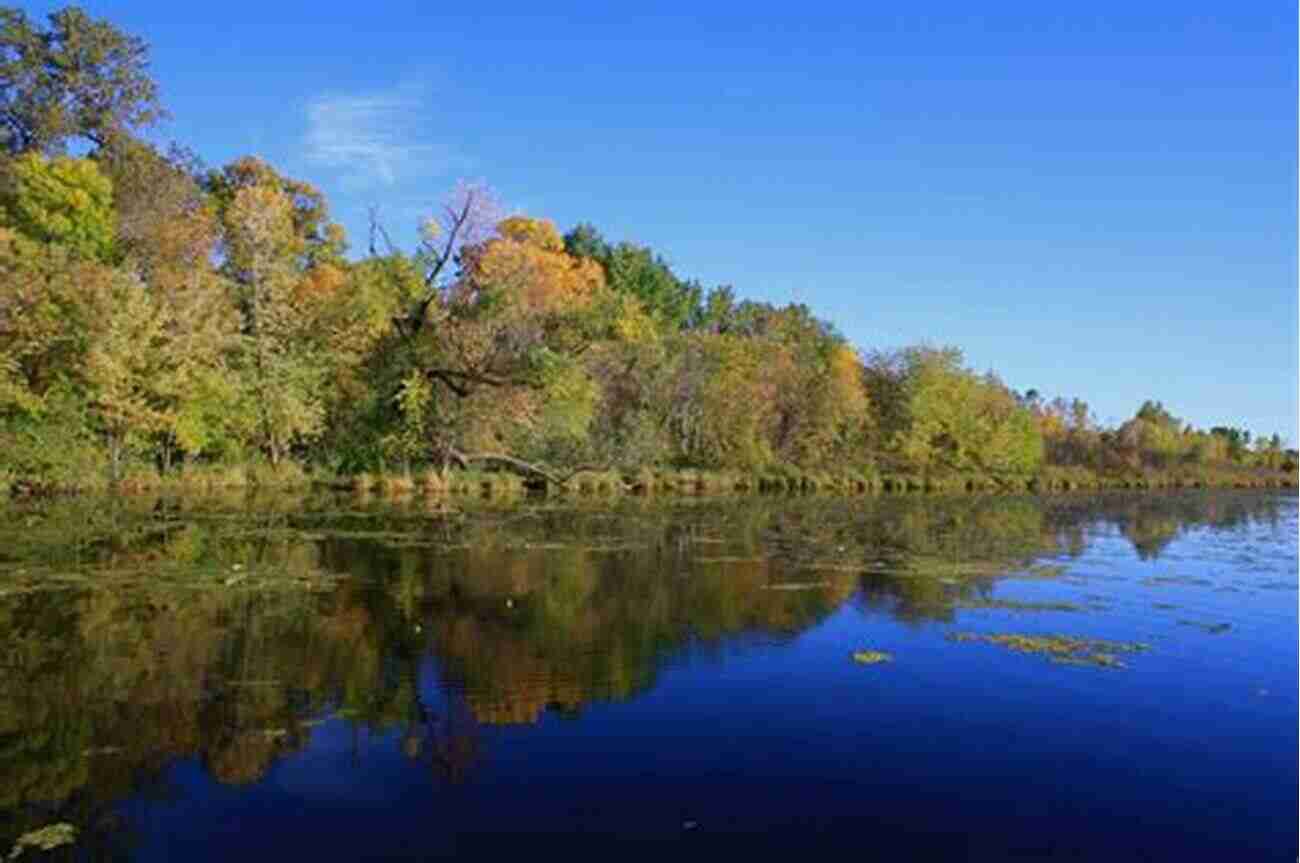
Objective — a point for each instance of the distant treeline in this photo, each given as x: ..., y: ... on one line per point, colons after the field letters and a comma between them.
x: 158, y: 318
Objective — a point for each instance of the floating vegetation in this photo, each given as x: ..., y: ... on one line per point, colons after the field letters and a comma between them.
x: 798, y: 585
x: 613, y: 547
x: 270, y: 733
x: 410, y: 543
x: 1018, y: 605
x: 1040, y: 570
x: 839, y: 567
x: 45, y: 839
x: 872, y: 657
x: 1063, y: 649
x: 164, y: 576
x: 1184, y: 580
x: 957, y: 569
x: 1211, y: 628
x: 376, y: 535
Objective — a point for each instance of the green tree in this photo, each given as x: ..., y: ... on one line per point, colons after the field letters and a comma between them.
x: 78, y: 78
x: 1236, y: 439
x: 720, y: 401
x: 638, y: 271
x: 62, y: 201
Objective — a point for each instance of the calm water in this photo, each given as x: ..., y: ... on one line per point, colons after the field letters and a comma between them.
x: 335, y: 678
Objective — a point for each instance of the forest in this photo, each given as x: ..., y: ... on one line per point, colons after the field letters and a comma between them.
x: 163, y: 321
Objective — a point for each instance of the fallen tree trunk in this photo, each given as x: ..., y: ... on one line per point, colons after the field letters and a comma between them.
x: 519, y: 465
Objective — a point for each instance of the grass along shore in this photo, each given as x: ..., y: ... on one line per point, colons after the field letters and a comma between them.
x: 665, y: 481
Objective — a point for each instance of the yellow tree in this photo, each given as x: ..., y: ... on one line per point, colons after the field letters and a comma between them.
x: 282, y: 376
x: 130, y: 381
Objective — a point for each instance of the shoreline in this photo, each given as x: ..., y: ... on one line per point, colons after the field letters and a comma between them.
x: 668, y: 483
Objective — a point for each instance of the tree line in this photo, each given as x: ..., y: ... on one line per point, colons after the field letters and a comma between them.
x: 158, y: 316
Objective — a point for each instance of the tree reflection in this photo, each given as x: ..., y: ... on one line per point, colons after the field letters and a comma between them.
x: 139, y: 632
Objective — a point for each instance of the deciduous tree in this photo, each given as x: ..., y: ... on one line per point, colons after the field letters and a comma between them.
x: 266, y: 240
x: 61, y: 201
x: 80, y: 77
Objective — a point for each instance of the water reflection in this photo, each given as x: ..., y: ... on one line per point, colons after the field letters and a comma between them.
x: 142, y: 631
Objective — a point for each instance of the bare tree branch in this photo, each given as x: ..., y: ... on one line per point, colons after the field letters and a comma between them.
x: 377, y: 229
x: 469, y: 218
x: 455, y: 221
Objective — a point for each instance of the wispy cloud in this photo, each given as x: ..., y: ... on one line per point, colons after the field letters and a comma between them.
x: 374, y: 139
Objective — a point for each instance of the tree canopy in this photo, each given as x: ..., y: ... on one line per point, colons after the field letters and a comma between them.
x: 156, y: 315
x: 77, y: 78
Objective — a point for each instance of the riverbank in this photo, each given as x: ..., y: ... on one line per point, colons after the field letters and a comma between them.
x: 674, y: 481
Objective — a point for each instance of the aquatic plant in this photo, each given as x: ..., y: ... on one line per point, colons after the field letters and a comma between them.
x: 45, y: 839
x: 1063, y: 649
x: 1018, y: 605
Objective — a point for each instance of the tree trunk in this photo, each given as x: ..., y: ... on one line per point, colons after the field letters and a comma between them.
x: 115, y: 457
x: 167, y: 454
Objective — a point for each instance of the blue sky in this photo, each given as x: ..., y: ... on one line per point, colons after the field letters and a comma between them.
x: 1099, y: 201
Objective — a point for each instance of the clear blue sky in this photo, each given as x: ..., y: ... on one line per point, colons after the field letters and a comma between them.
x: 1092, y: 199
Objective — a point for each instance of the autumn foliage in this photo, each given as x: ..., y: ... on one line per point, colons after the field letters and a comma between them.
x: 156, y: 316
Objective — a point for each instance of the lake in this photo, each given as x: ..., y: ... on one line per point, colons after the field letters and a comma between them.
x: 333, y: 677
